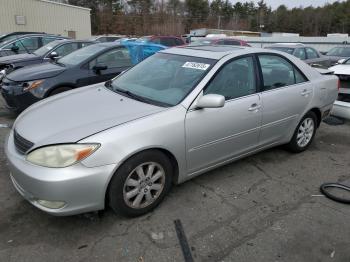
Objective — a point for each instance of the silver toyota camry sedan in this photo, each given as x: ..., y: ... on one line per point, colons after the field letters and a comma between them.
x: 168, y: 119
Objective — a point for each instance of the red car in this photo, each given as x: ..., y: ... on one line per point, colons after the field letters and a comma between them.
x: 218, y: 41
x: 163, y: 40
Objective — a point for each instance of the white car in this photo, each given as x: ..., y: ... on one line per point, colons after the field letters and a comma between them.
x: 342, y: 105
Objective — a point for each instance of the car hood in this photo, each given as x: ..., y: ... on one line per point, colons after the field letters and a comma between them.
x: 74, y: 115
x: 40, y: 71
x: 18, y: 58
x: 340, y: 69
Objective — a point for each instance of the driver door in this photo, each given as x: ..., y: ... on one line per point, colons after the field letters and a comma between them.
x: 214, y: 135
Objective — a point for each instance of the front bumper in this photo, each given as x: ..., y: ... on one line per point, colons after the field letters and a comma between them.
x: 17, y: 101
x: 82, y: 189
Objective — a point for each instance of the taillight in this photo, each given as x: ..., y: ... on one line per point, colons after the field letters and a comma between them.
x: 338, y: 84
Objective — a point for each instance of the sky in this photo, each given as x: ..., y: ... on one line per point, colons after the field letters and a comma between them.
x: 297, y: 3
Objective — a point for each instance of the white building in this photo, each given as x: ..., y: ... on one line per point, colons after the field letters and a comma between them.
x: 45, y: 16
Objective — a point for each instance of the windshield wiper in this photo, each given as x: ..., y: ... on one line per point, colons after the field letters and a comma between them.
x: 132, y: 95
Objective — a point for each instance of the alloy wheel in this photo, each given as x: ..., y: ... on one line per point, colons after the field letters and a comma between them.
x: 144, y: 185
x: 305, y: 132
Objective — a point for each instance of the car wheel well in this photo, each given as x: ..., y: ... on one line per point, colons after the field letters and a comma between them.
x: 167, y: 153
x: 318, y: 115
x: 57, y: 87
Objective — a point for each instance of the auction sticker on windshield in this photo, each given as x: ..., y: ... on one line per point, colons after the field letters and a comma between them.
x: 200, y: 66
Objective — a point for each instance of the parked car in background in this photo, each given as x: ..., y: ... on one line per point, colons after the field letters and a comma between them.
x: 27, y: 43
x: 341, y: 107
x: 89, y: 65
x: 342, y: 70
x: 338, y: 53
x: 106, y: 38
x: 175, y: 115
x: 9, y: 36
x: 218, y: 41
x: 54, y: 50
x: 306, y: 53
x: 168, y: 41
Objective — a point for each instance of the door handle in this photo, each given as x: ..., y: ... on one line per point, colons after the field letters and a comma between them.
x: 305, y: 92
x: 254, y: 107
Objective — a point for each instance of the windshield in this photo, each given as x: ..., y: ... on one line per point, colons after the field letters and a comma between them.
x: 144, y: 39
x: 202, y: 42
x: 288, y: 50
x: 47, y: 48
x: 163, y: 79
x: 339, y: 51
x: 80, y: 55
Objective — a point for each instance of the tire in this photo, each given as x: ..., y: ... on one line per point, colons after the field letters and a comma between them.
x: 128, y: 190
x: 298, y: 145
x: 59, y: 90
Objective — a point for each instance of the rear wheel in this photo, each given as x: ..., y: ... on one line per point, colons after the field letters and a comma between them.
x: 304, y: 133
x: 140, y: 184
x: 59, y: 90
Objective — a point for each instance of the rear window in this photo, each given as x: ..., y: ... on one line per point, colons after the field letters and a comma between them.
x: 288, y: 50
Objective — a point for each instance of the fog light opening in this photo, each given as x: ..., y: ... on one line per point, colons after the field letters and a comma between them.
x: 51, y: 204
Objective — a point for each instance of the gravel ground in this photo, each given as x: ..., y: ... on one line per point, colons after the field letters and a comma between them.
x: 266, y: 207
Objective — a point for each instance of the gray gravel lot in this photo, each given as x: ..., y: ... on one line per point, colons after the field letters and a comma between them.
x: 262, y: 208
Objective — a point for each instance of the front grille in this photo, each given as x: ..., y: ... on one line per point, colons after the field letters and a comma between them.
x: 22, y: 145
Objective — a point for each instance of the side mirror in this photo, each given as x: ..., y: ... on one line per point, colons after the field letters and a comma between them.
x: 323, y: 52
x: 341, y: 61
x: 53, y: 55
x: 98, y: 68
x: 14, y: 48
x: 211, y: 101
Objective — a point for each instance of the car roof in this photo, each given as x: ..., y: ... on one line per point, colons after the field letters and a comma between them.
x: 72, y: 41
x: 212, y: 51
x: 290, y: 45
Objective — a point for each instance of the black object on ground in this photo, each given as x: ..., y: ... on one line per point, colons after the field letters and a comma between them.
x: 324, y: 190
x: 186, y: 251
x: 334, y: 121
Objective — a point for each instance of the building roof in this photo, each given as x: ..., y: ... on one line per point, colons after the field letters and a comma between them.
x: 58, y: 3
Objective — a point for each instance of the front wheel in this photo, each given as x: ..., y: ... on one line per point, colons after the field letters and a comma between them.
x: 140, y: 184
x: 304, y: 133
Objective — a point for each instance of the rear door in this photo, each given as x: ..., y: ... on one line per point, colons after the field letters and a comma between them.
x: 214, y: 135
x: 285, y: 95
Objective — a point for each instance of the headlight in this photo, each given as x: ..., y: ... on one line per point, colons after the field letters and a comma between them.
x: 32, y: 85
x: 61, y: 155
x: 2, y: 74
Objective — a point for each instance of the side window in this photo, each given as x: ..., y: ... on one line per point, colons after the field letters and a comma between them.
x: 18, y: 45
x: 82, y: 44
x: 300, y: 53
x: 31, y: 43
x: 167, y: 41
x: 278, y: 72
x: 179, y: 41
x: 102, y: 39
x: 231, y: 42
x: 299, y: 77
x: 235, y: 79
x: 47, y: 40
x: 66, y: 49
x: 311, y: 53
x: 155, y: 41
x: 119, y: 57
